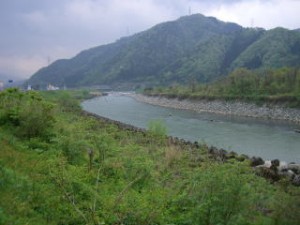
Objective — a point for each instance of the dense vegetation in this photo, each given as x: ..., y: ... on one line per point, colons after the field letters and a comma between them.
x: 60, y: 166
x: 192, y: 47
x: 279, y: 86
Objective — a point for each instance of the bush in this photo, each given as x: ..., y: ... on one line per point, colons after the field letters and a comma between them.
x: 157, y: 128
x: 27, y: 112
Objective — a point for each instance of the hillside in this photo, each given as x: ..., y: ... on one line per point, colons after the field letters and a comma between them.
x: 192, y: 47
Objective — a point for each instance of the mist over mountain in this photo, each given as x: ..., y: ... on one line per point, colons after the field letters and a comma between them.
x: 191, y: 48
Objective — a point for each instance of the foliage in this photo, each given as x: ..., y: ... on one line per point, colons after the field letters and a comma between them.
x: 27, y: 112
x: 191, y: 48
x: 157, y: 128
x: 95, y: 173
x: 276, y: 48
x: 278, y: 85
x: 157, y: 131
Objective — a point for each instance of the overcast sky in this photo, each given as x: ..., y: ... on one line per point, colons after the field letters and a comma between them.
x: 35, y: 33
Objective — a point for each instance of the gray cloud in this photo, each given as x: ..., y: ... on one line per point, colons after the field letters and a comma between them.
x: 34, y: 31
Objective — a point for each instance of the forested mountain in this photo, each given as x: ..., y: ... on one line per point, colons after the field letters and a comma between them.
x: 191, y: 48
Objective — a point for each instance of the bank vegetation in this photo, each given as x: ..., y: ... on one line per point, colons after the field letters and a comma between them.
x: 61, y: 166
x: 272, y: 86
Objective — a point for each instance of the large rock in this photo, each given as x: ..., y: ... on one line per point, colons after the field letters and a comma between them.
x: 294, y: 167
x: 267, y: 173
x: 296, y: 180
x: 256, y: 161
x: 217, y: 154
x: 275, y: 162
x: 231, y: 155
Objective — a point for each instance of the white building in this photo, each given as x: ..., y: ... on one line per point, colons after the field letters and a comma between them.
x: 52, y: 88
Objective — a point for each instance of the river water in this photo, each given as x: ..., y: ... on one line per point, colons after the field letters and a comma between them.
x: 254, y: 137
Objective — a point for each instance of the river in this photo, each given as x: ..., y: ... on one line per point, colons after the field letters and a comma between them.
x: 255, y: 137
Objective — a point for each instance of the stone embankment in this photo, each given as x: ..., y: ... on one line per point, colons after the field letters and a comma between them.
x: 235, y: 108
x: 275, y: 170
x: 272, y: 170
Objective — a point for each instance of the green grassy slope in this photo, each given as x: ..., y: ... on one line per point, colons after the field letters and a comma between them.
x: 80, y: 170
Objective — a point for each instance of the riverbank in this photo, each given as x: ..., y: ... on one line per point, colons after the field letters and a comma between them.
x: 234, y: 108
x: 85, y: 169
x: 272, y: 170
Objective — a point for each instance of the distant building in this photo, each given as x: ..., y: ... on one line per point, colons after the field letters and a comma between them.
x: 52, y: 88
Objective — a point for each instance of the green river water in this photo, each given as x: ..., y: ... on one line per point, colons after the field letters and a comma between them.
x: 254, y: 137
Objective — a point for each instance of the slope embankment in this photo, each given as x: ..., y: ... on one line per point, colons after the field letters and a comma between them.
x: 234, y: 108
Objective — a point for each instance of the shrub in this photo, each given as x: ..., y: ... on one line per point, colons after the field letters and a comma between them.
x: 157, y: 131
x: 27, y: 112
x: 157, y: 128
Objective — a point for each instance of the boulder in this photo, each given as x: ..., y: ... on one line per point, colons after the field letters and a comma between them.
x: 231, y: 155
x: 196, y: 144
x: 296, y: 180
x: 267, y: 173
x: 294, y: 167
x: 290, y: 174
x: 217, y: 154
x: 275, y: 162
x: 256, y: 161
x: 222, y: 154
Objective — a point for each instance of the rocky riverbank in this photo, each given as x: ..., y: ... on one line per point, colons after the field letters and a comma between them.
x: 235, y: 108
x: 271, y: 170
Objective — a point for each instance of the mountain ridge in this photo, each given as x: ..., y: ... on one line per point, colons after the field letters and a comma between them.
x: 190, y: 48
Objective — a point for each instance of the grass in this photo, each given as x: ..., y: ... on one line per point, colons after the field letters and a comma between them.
x: 92, y: 172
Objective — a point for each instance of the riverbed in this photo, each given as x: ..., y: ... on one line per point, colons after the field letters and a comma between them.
x: 269, y: 139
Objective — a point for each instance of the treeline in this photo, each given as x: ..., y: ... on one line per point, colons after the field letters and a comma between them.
x: 60, y: 166
x: 279, y: 85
